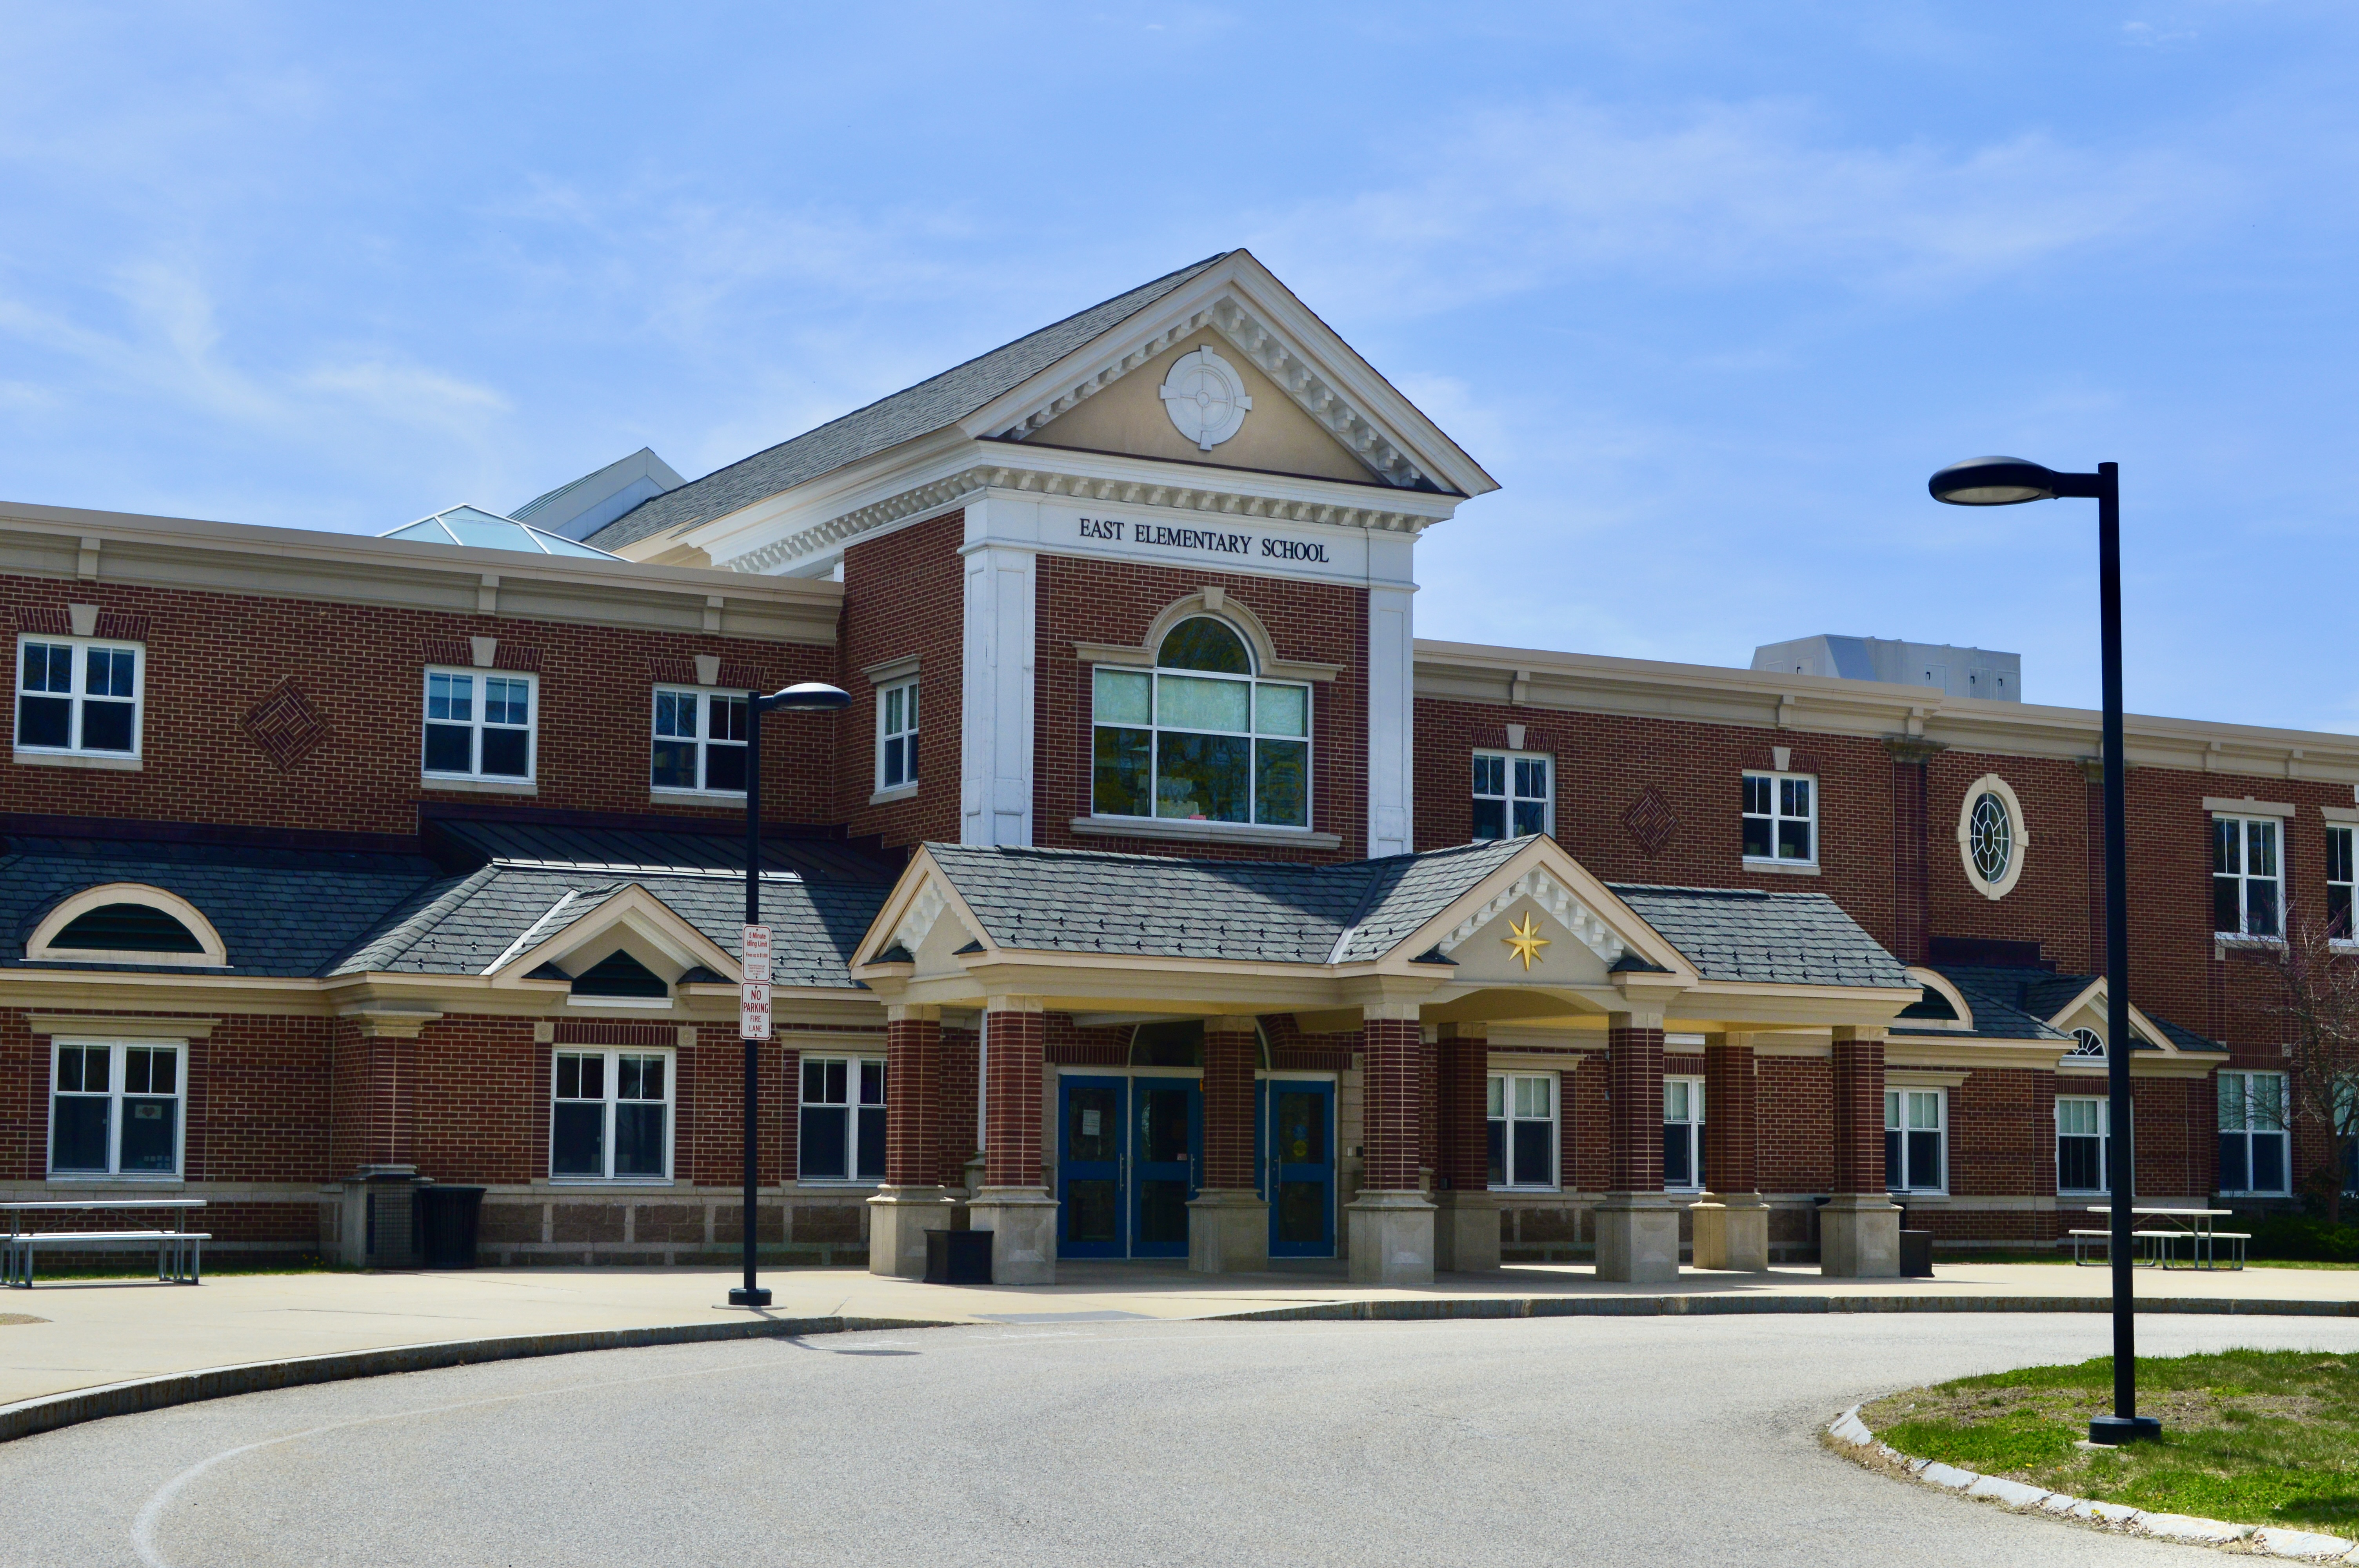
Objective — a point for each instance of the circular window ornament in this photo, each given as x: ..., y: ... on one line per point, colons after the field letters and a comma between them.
x: 2087, y: 1043
x: 1992, y: 837
x: 1205, y: 397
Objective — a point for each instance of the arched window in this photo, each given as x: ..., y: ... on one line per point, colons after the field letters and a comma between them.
x: 1200, y: 737
x: 127, y: 923
x: 2088, y: 1042
x: 1180, y: 1042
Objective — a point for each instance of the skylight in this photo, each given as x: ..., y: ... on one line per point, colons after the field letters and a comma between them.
x: 482, y: 530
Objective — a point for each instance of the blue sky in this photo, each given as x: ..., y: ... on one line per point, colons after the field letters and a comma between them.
x: 1710, y: 289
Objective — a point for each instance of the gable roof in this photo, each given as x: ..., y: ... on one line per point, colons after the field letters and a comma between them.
x: 2016, y: 1003
x: 929, y: 405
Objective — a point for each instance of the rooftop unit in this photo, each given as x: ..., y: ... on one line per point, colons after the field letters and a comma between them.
x: 1951, y: 670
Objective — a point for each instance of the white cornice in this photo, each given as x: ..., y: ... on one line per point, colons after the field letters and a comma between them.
x: 1586, y: 925
x: 1542, y: 679
x: 1042, y: 471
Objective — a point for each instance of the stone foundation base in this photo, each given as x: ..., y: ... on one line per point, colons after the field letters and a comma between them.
x: 1023, y: 1225
x: 1638, y: 1237
x: 1859, y: 1238
x: 1228, y: 1232
x: 899, y: 1219
x: 1465, y: 1232
x: 1732, y: 1231
x: 1391, y: 1239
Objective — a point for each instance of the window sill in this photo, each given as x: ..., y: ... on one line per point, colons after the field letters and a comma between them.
x: 1919, y: 1195
x: 1783, y: 867
x: 1177, y: 831
x: 577, y: 1182
x: 480, y: 786
x: 735, y: 798
x: 898, y: 791
x: 104, y: 763
x: 1529, y: 1191
x: 2224, y: 943
x: 81, y: 1179
x: 831, y: 1183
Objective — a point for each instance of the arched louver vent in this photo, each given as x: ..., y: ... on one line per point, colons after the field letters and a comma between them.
x: 126, y: 928
x: 619, y: 974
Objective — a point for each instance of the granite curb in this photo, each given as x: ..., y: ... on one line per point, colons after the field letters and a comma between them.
x: 2309, y: 1546
x: 48, y: 1414
x: 1713, y: 1305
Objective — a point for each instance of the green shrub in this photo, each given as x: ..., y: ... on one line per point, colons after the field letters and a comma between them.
x: 2301, y: 1236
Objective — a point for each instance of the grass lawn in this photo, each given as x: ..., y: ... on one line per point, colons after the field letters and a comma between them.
x: 2252, y: 1436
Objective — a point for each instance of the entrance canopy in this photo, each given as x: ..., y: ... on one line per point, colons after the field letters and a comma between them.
x: 1516, y: 930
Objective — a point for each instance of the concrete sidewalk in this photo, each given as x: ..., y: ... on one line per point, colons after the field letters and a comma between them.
x: 99, y: 1332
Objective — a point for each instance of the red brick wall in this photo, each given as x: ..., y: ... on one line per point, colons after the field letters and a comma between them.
x: 903, y: 594
x: 1092, y: 600
x: 2050, y: 902
x: 213, y: 658
x: 1605, y: 763
x: 1392, y: 1125
x: 1462, y: 1122
x: 1228, y: 1088
x: 1856, y: 1112
x: 1731, y: 1133
x: 960, y: 1082
x: 2003, y: 1134
x: 1585, y: 1163
x: 1797, y: 1112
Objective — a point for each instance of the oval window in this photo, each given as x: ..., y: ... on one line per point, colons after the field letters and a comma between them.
x: 1990, y: 837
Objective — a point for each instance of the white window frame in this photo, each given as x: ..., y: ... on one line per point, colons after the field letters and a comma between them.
x: 1498, y: 1089
x: 905, y: 689
x: 2339, y: 857
x: 859, y: 1071
x: 706, y: 698
x: 116, y: 1093
x: 79, y: 693
x: 1513, y: 770
x: 475, y: 724
x: 2087, y: 1042
x: 1255, y: 682
x: 1780, y: 794
x: 612, y: 1097
x: 2103, y: 1135
x: 1902, y: 1101
x: 1692, y: 1124
x: 2244, y: 1129
x: 2018, y: 836
x: 2243, y: 878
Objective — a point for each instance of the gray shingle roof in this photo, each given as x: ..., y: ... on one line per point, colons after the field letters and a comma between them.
x: 1765, y: 939
x: 914, y: 411
x: 2016, y: 1004
x: 1148, y: 906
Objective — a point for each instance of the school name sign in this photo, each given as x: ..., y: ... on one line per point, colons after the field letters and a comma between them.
x: 1210, y: 542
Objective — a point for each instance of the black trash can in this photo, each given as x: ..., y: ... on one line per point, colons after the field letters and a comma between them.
x: 958, y: 1257
x: 448, y: 1218
x: 1916, y: 1254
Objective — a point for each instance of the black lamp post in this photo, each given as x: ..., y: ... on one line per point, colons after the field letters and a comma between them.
x: 2004, y: 481
x: 812, y: 697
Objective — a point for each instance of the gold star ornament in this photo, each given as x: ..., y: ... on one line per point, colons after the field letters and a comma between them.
x: 1527, y: 942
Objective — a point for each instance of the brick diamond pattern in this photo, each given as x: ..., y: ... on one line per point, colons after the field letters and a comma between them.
x: 286, y: 726
x: 1651, y: 821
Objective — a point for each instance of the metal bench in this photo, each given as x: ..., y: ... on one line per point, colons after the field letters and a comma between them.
x: 179, y: 1252
x: 2081, y: 1240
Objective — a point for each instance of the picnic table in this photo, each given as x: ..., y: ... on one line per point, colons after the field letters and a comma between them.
x: 179, y: 1252
x: 2159, y: 1242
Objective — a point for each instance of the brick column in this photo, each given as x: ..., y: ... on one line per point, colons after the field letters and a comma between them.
x: 911, y: 1202
x: 1390, y: 1223
x: 1911, y: 847
x: 1732, y: 1222
x: 372, y: 1134
x: 1466, y: 1218
x: 1638, y: 1223
x: 1013, y: 1204
x: 1859, y: 1229
x: 958, y: 1132
x: 1228, y: 1221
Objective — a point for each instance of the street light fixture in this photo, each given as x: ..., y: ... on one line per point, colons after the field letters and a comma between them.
x: 810, y: 697
x: 2005, y: 482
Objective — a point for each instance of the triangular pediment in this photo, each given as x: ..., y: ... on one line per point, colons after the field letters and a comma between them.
x: 2089, y: 1010
x: 1318, y: 408
x: 924, y: 923
x: 577, y: 932
x: 1544, y: 905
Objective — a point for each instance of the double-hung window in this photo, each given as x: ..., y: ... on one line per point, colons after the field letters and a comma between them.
x: 1684, y: 1134
x: 842, y: 1128
x: 115, y: 1109
x: 2084, y: 1145
x: 1200, y: 738
x: 479, y: 724
x: 2247, y: 880
x: 896, y: 735
x: 700, y: 742
x: 1781, y: 818
x: 75, y: 695
x: 2338, y: 881
x: 611, y: 1118
x: 1916, y: 1129
x: 1512, y: 797
x: 2253, y: 1133
x: 1523, y: 1114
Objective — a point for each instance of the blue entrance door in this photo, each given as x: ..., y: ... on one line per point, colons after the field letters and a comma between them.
x: 1092, y: 1219
x: 1299, y: 1160
x: 1167, y: 1120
